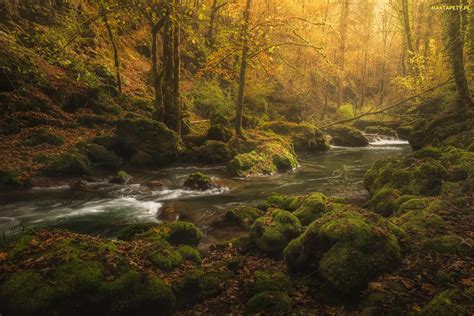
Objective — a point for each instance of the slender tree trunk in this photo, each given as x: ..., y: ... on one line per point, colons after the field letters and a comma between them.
x: 212, y: 19
x: 405, y: 17
x: 342, y: 51
x: 177, y: 66
x: 168, y: 70
x: 243, y: 70
x: 157, y: 78
x: 455, y: 48
x: 105, y: 19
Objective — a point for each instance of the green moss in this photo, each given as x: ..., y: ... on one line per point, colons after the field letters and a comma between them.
x: 44, y: 136
x: 269, y: 303
x: 199, y: 181
x: 451, y: 302
x: 312, y: 207
x: 68, y: 164
x: 243, y: 216
x: 9, y: 178
x: 414, y: 204
x: 427, y: 152
x: 195, y: 286
x: 129, y: 232
x: 219, y: 133
x: 280, y: 201
x: 26, y: 293
x: 266, y: 159
x: 189, y: 253
x: 120, y: 178
x: 347, y: 136
x: 420, y: 222
x: 166, y: 259
x: 272, y: 233
x: 347, y: 248
x: 183, y: 233
x: 304, y: 137
x: 383, y: 202
x: 101, y: 157
x: 270, y: 281
x: 215, y: 152
x: 447, y: 244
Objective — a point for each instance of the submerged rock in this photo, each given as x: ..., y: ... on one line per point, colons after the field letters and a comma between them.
x: 348, y: 249
x: 343, y: 135
x: 199, y: 181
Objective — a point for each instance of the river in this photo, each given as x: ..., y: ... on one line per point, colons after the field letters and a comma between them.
x: 103, y: 208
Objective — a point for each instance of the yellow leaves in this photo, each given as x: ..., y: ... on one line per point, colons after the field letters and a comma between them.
x: 3, y: 256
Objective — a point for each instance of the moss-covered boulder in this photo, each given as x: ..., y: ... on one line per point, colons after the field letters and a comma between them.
x: 266, y: 159
x: 421, y: 223
x: 195, y: 286
x: 304, y: 137
x: 269, y: 303
x: 384, y: 201
x: 199, y: 181
x: 68, y: 164
x: 343, y: 135
x: 220, y: 133
x: 265, y: 281
x: 281, y: 201
x: 102, y: 157
x: 120, y: 178
x: 147, y: 136
x: 451, y: 302
x: 74, y: 274
x: 312, y: 207
x: 346, y: 248
x: 272, y: 233
x: 213, y: 152
x: 243, y: 216
x: 447, y: 244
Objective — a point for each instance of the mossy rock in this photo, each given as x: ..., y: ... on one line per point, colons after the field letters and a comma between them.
x: 166, y: 259
x: 281, y: 201
x: 129, y: 232
x: 421, y: 223
x: 312, y: 207
x: 219, y: 133
x: 414, y: 204
x: 347, y: 136
x: 120, y: 178
x: 195, y: 286
x: 451, y: 302
x: 447, y: 244
x: 176, y: 233
x: 243, y: 216
x: 272, y: 233
x: 190, y: 254
x: 9, y: 178
x: 148, y: 136
x: 68, y: 164
x: 384, y: 201
x: 348, y: 249
x: 101, y: 157
x: 269, y: 303
x: 381, y: 130
x: 44, y: 136
x: 304, y: 137
x: 75, y: 285
x: 199, y: 181
x: 265, y: 281
x: 267, y: 159
x: 214, y: 152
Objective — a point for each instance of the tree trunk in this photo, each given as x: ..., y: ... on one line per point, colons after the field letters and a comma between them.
x: 212, y: 19
x: 342, y: 51
x: 157, y: 78
x: 455, y: 48
x: 243, y: 70
x: 103, y: 14
x: 405, y: 17
x: 177, y: 67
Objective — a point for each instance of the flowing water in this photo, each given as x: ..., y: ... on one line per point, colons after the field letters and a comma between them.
x: 103, y: 208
